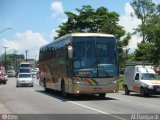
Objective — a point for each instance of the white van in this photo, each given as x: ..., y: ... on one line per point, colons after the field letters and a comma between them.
x: 142, y: 79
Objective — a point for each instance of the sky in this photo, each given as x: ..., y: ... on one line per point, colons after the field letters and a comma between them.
x: 33, y: 22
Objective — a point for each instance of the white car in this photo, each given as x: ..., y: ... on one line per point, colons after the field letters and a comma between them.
x: 25, y: 79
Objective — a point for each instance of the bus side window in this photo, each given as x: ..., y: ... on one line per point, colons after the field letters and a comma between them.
x: 137, y: 76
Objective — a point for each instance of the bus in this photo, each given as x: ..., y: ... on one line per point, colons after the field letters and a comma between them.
x: 24, y: 70
x: 25, y: 64
x: 80, y: 63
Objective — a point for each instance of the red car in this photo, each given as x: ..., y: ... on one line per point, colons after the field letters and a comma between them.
x: 38, y: 75
x: 157, y: 70
x: 3, y: 78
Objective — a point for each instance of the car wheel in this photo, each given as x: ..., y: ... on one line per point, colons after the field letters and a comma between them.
x: 126, y: 90
x: 143, y: 92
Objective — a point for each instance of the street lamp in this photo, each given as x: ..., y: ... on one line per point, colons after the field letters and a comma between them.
x: 5, y: 29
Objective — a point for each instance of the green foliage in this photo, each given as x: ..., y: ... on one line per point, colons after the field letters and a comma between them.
x: 121, y: 79
x: 153, y: 36
x: 149, y: 14
x: 122, y: 45
x: 90, y: 20
x: 143, y: 9
x: 144, y: 51
x: 131, y: 58
x: 98, y: 20
x: 11, y: 59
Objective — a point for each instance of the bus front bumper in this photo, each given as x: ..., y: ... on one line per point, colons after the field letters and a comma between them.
x: 84, y: 89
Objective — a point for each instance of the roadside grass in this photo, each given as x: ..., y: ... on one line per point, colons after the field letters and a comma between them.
x: 121, y: 79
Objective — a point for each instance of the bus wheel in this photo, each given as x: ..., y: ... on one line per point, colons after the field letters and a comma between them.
x: 102, y: 95
x: 45, y: 86
x: 63, y: 90
x: 126, y: 90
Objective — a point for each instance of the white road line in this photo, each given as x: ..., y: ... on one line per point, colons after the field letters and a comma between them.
x: 102, y: 112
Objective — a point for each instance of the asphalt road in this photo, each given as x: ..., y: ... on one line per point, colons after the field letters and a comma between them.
x: 34, y: 103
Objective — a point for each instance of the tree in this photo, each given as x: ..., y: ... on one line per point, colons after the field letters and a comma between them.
x: 153, y: 36
x: 121, y: 44
x: 144, y: 51
x: 98, y: 20
x: 143, y: 9
x: 11, y: 59
x: 149, y: 14
x: 88, y: 19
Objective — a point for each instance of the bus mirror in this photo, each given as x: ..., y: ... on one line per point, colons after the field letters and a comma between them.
x: 124, y: 52
x: 70, y: 52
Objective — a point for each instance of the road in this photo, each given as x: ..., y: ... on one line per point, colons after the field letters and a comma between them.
x: 23, y: 101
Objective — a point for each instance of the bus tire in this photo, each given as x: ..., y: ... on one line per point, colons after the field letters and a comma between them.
x: 126, y: 90
x: 63, y: 89
x: 44, y: 85
x: 102, y: 95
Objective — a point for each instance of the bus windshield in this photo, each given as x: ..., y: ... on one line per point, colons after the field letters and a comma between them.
x: 94, y: 56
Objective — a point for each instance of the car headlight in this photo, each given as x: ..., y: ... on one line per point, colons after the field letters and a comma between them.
x: 150, y: 86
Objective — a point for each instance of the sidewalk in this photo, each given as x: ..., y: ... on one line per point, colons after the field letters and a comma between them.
x: 3, y: 109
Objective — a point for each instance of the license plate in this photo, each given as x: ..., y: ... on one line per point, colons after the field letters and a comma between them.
x: 97, y: 89
x: 23, y: 81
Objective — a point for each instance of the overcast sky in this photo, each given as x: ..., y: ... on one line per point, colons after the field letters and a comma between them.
x: 34, y: 22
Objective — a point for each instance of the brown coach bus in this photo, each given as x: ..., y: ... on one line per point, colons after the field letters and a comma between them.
x: 80, y: 63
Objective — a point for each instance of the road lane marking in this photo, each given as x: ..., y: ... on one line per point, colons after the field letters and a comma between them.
x: 102, y: 112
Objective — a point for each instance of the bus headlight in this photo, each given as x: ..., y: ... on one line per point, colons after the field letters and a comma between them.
x: 79, y: 82
x: 114, y: 82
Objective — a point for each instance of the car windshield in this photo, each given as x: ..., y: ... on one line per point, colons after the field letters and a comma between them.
x: 1, y: 73
x: 24, y: 70
x: 150, y: 76
x: 24, y: 75
x: 24, y: 65
x: 94, y: 56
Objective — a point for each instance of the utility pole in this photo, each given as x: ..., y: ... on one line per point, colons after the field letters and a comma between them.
x: 5, y: 58
x: 5, y: 47
x: 15, y: 62
x: 26, y: 54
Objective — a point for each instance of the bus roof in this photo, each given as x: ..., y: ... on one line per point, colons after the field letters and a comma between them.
x: 24, y: 63
x: 80, y: 35
x: 91, y: 34
x: 84, y: 35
